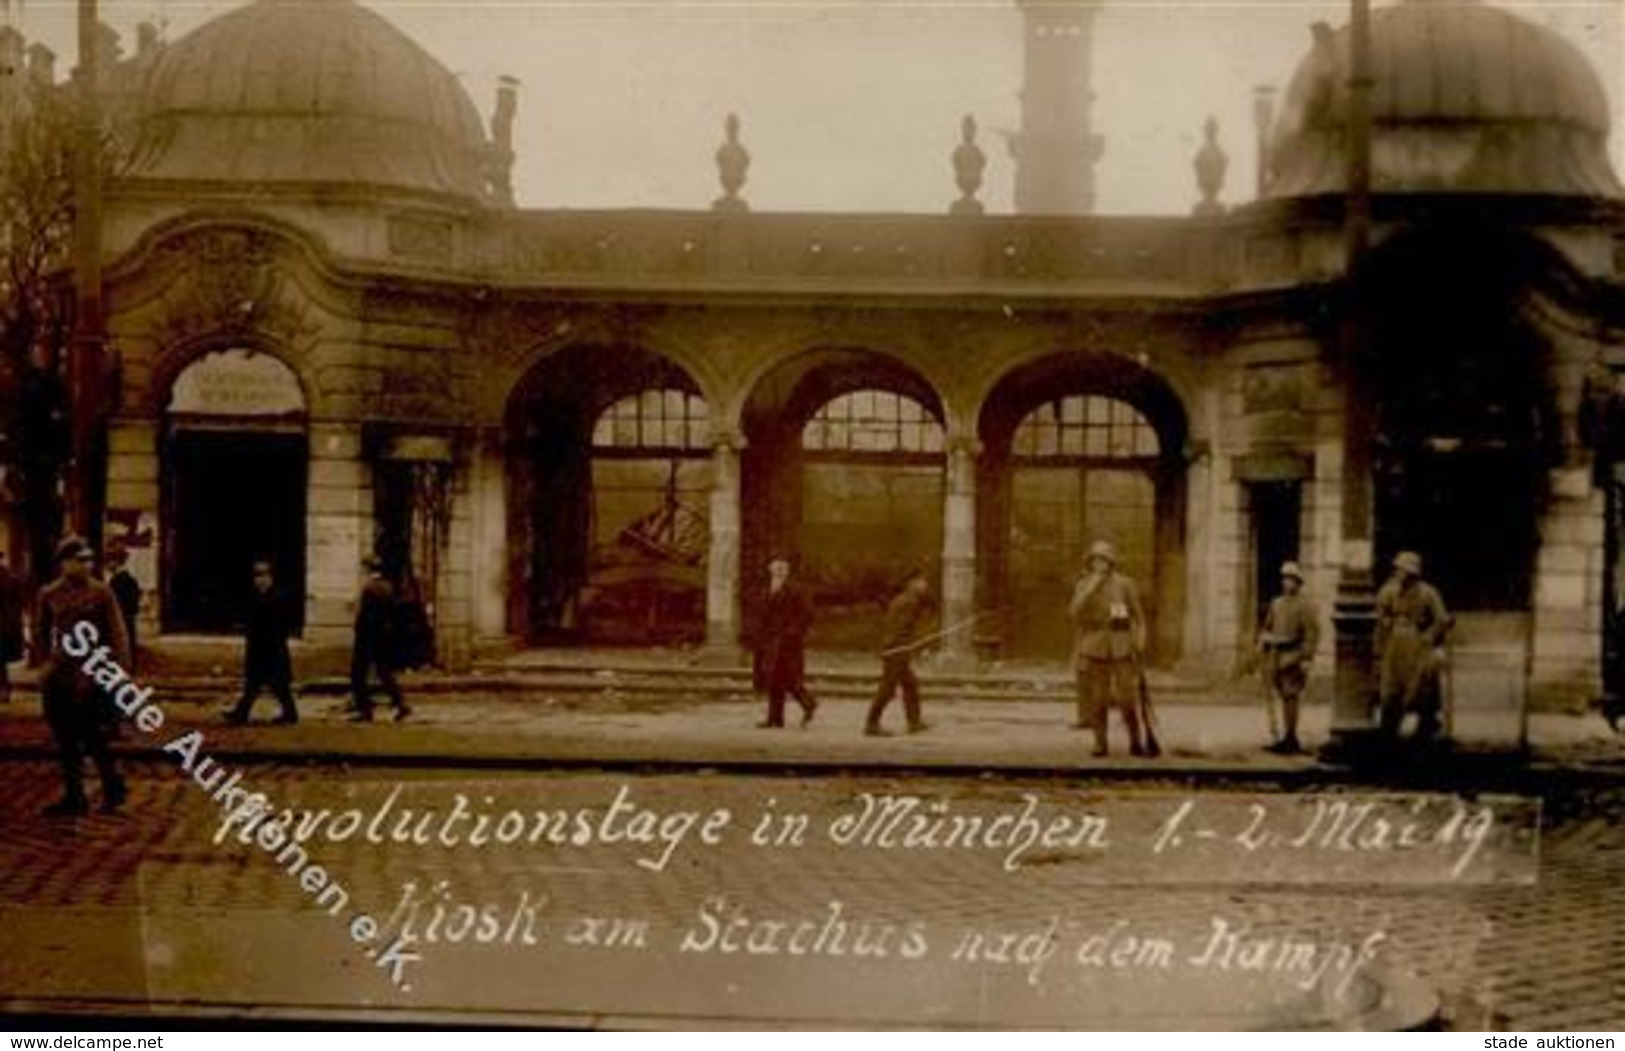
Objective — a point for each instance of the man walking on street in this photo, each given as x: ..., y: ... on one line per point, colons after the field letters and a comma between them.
x: 75, y: 707
x: 1287, y: 640
x: 1109, y: 643
x: 781, y: 645
x: 374, y: 647
x: 266, y: 663
x: 906, y: 615
x: 1411, y: 627
x: 11, y: 624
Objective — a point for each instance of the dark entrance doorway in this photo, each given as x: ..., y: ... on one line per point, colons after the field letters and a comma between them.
x: 1276, y: 515
x: 235, y: 459
x: 234, y: 496
x: 1469, y: 510
x: 1467, y: 416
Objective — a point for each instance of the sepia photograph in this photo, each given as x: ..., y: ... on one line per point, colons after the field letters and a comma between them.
x: 803, y: 515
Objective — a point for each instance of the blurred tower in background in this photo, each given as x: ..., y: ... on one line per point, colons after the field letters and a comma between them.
x: 1056, y: 149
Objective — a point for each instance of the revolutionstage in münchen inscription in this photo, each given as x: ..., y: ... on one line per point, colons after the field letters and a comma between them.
x: 906, y: 822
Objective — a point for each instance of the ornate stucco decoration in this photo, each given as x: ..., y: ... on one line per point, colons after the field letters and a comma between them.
x: 229, y: 288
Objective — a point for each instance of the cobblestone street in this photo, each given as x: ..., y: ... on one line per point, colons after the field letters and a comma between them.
x: 1525, y: 938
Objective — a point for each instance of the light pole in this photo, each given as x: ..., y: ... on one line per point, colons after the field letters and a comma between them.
x: 1354, y: 615
x: 86, y: 370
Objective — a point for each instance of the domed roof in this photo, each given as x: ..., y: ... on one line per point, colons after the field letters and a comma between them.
x: 309, y: 92
x: 1465, y: 98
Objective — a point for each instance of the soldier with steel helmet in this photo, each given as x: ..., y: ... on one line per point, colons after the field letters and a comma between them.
x: 1411, y: 627
x: 1287, y: 640
x: 1108, y: 645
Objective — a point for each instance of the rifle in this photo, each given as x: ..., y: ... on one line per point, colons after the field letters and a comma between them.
x: 1148, y: 713
x: 941, y: 633
x: 1266, y: 678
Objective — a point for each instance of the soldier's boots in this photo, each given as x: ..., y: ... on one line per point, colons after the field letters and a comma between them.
x: 1136, y: 738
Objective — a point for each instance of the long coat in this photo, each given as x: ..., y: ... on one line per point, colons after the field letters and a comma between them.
x: 1411, y: 622
x: 127, y: 590
x: 375, y: 622
x: 781, y: 645
x: 265, y: 640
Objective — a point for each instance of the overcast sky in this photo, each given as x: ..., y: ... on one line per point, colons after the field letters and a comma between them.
x: 850, y: 106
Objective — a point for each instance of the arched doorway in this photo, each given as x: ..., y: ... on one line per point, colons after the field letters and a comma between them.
x: 235, y: 464
x: 1079, y: 448
x: 843, y: 473
x: 610, y: 465
x: 1466, y: 414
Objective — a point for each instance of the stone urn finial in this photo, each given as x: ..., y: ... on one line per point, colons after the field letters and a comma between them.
x: 969, y: 162
x: 1211, y: 164
x: 733, y: 163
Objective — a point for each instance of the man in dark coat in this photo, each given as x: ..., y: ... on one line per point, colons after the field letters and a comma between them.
x: 1412, y: 624
x: 906, y: 617
x: 266, y: 663
x: 375, y: 641
x: 781, y: 645
x: 126, y: 588
x: 1108, y: 645
x: 11, y: 624
x: 75, y: 706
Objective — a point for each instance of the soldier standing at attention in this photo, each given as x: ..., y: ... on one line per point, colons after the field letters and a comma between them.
x: 75, y: 707
x: 266, y: 663
x: 905, y: 616
x: 1288, y: 638
x: 1109, y: 641
x: 375, y: 641
x: 1411, y: 625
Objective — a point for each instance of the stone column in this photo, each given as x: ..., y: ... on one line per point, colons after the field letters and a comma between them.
x: 339, y: 531
x: 455, y: 597
x: 722, y: 562
x: 490, y: 557
x: 959, y: 552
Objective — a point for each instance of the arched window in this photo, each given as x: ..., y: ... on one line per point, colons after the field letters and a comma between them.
x: 872, y: 421
x: 1086, y: 427
x: 666, y: 419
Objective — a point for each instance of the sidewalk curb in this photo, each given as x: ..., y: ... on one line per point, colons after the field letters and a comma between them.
x: 1470, y: 773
